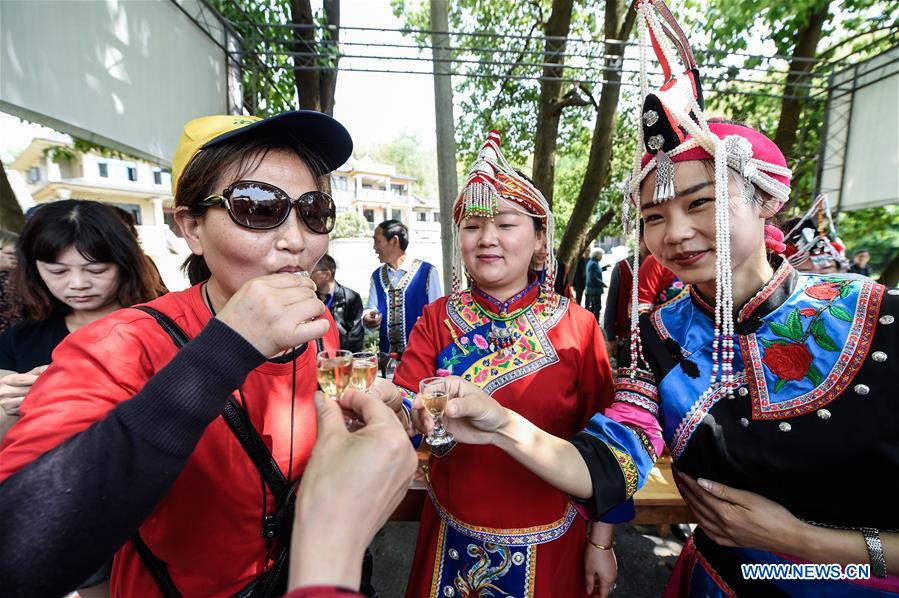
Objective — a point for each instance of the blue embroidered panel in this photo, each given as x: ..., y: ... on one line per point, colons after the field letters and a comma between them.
x: 803, y: 354
x: 681, y: 395
x: 470, y: 567
x: 809, y: 348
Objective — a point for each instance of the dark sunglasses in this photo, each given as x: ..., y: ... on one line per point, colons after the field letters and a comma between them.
x: 260, y: 206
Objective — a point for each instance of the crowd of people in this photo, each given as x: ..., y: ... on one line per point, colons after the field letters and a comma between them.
x: 177, y: 443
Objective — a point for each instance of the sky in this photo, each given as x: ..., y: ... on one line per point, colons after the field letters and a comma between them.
x: 375, y: 107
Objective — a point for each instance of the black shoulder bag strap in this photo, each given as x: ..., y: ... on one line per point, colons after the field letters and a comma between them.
x: 277, y: 526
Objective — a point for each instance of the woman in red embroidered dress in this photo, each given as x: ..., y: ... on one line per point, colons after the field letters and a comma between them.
x: 490, y: 524
x: 774, y: 391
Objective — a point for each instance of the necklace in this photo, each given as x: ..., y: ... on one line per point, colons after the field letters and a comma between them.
x: 497, y: 318
x: 503, y: 332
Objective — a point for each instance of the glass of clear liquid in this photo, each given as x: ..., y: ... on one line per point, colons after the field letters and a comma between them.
x: 435, y: 396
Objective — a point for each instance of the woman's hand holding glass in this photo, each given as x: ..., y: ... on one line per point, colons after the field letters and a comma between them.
x: 471, y: 415
x: 275, y: 313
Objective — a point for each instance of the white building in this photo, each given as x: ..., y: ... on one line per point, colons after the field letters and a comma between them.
x: 377, y: 193
x: 140, y: 188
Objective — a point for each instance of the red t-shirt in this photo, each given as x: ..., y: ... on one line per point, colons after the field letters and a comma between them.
x: 207, y: 528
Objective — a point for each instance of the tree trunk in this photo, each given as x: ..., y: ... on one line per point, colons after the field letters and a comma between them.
x: 791, y: 106
x: 619, y: 21
x: 601, y: 222
x: 307, y: 81
x: 890, y: 275
x: 11, y: 217
x: 328, y: 79
x: 550, y: 102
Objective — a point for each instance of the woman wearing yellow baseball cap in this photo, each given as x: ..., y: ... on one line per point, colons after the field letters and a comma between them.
x: 128, y: 414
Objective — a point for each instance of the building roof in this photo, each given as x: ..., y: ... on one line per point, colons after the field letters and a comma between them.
x: 368, y: 165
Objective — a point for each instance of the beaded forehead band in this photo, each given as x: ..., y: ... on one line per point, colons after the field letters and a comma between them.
x: 490, y: 179
x: 674, y: 129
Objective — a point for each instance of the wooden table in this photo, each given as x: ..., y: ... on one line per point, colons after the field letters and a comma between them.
x: 657, y: 503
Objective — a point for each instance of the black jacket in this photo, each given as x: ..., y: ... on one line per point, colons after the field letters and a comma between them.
x: 346, y: 308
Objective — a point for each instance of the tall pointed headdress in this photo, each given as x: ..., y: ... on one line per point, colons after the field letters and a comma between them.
x: 814, y: 238
x: 674, y: 129
x: 490, y: 179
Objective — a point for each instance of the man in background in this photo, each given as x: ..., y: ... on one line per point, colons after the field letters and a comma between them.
x: 860, y: 263
x: 595, y: 283
x: 400, y: 288
x: 344, y: 303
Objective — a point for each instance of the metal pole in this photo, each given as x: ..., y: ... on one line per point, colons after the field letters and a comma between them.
x: 448, y: 184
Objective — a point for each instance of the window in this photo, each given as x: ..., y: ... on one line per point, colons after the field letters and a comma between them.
x: 132, y: 209
x: 34, y: 174
x: 340, y: 183
x: 132, y: 173
x: 103, y: 167
x: 436, y: 216
x: 396, y: 215
x: 157, y: 176
x: 369, y: 215
x: 398, y: 189
x: 422, y: 216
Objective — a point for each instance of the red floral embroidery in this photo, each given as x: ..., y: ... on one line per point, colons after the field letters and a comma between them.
x: 787, y: 357
x: 824, y: 290
x: 790, y: 361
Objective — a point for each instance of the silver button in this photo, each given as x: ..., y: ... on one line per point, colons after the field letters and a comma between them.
x: 879, y: 356
x: 650, y: 117
x: 823, y: 413
x: 448, y: 591
x: 861, y: 389
x: 743, y: 391
x: 657, y: 141
x: 785, y: 427
x: 453, y: 553
x: 518, y: 558
x: 887, y: 319
x: 893, y: 291
x: 744, y: 422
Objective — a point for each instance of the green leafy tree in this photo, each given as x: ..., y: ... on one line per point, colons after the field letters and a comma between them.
x: 522, y: 84
x: 809, y: 38
x: 350, y: 225
x: 411, y: 158
x: 286, y: 67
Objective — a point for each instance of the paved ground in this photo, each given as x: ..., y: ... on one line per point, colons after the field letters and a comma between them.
x: 644, y: 560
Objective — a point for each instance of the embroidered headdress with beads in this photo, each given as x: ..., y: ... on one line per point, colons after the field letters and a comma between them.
x: 814, y: 238
x: 490, y: 179
x: 674, y: 129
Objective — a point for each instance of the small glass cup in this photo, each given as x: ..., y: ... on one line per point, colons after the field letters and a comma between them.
x: 333, y: 369
x: 365, y: 370
x: 434, y: 397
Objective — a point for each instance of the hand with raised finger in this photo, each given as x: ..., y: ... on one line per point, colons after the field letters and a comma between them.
x: 275, y: 313
x: 14, y: 387
x: 733, y: 517
x: 352, y: 484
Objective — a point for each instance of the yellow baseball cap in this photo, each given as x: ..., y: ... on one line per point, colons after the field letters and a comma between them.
x: 317, y: 131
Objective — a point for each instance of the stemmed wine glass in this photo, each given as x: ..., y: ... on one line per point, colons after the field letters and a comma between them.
x: 434, y: 397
